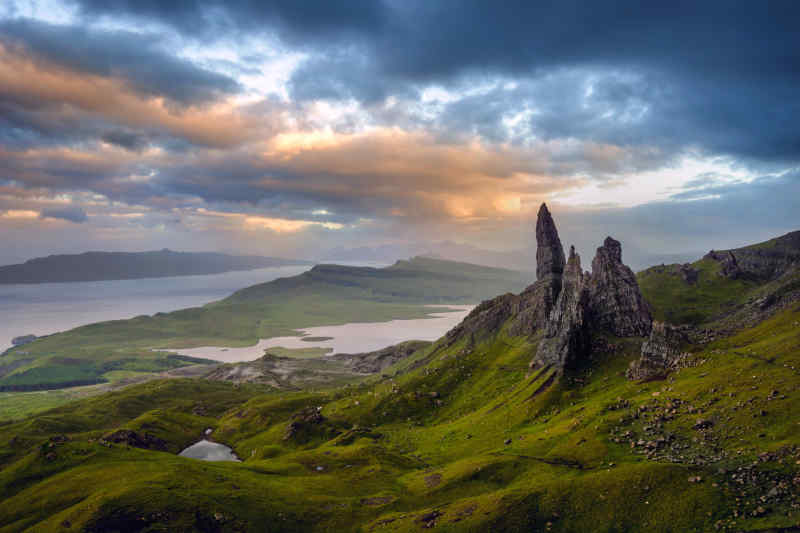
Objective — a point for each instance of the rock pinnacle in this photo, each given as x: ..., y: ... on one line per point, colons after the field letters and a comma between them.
x: 549, y: 252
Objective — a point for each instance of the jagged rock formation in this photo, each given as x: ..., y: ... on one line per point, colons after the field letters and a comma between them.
x: 608, y: 299
x: 531, y: 309
x: 565, y: 305
x: 661, y: 352
x: 617, y: 305
x: 566, y: 335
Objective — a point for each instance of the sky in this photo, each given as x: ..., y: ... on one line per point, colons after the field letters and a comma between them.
x: 293, y: 128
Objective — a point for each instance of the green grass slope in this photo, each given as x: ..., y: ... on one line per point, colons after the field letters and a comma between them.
x: 459, y: 438
x: 708, y: 292
x: 325, y: 295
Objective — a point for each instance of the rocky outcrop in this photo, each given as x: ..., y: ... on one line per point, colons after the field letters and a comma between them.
x: 529, y: 311
x: 308, y: 424
x: 567, y: 333
x: 565, y: 305
x: 761, y: 262
x: 23, y: 339
x: 616, y: 303
x: 729, y: 266
x: 145, y: 441
x: 661, y: 352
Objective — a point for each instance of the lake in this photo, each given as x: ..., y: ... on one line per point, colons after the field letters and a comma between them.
x: 356, y: 337
x: 47, y: 308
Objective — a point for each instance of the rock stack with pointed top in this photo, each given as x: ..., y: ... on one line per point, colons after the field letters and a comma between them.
x: 608, y: 299
x: 549, y: 252
x: 565, y: 304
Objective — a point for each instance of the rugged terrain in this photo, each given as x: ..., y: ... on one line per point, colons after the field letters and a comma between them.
x: 597, y: 401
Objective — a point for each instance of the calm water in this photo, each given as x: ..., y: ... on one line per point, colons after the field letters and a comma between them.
x: 356, y: 337
x: 206, y: 450
x: 50, y: 307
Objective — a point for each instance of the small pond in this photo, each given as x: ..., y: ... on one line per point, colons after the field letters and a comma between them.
x: 205, y: 450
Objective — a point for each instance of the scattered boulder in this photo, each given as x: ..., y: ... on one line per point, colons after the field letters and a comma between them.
x: 703, y: 423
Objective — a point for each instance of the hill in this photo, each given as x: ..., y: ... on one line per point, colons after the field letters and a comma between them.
x: 526, y: 417
x: 324, y: 295
x: 726, y: 285
x: 98, y: 266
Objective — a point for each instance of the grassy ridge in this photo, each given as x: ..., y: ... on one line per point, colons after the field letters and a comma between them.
x: 468, y: 441
x: 679, y: 302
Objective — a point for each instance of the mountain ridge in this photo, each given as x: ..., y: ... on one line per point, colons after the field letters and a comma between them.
x: 106, y: 266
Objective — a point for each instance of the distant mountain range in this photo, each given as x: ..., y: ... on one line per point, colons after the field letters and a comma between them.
x: 98, y: 266
x: 523, y: 260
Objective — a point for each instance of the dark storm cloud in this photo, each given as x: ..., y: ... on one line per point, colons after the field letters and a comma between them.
x: 295, y: 20
x: 719, y: 75
x: 138, y: 59
x: 71, y: 214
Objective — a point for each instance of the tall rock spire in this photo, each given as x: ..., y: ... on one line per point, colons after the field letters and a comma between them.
x: 566, y: 337
x: 549, y: 252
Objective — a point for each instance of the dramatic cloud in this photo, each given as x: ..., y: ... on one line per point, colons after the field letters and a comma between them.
x: 295, y: 126
x: 140, y: 60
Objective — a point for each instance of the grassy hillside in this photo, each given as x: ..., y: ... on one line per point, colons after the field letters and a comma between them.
x: 674, y: 300
x: 325, y: 295
x: 710, y: 290
x: 461, y: 438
